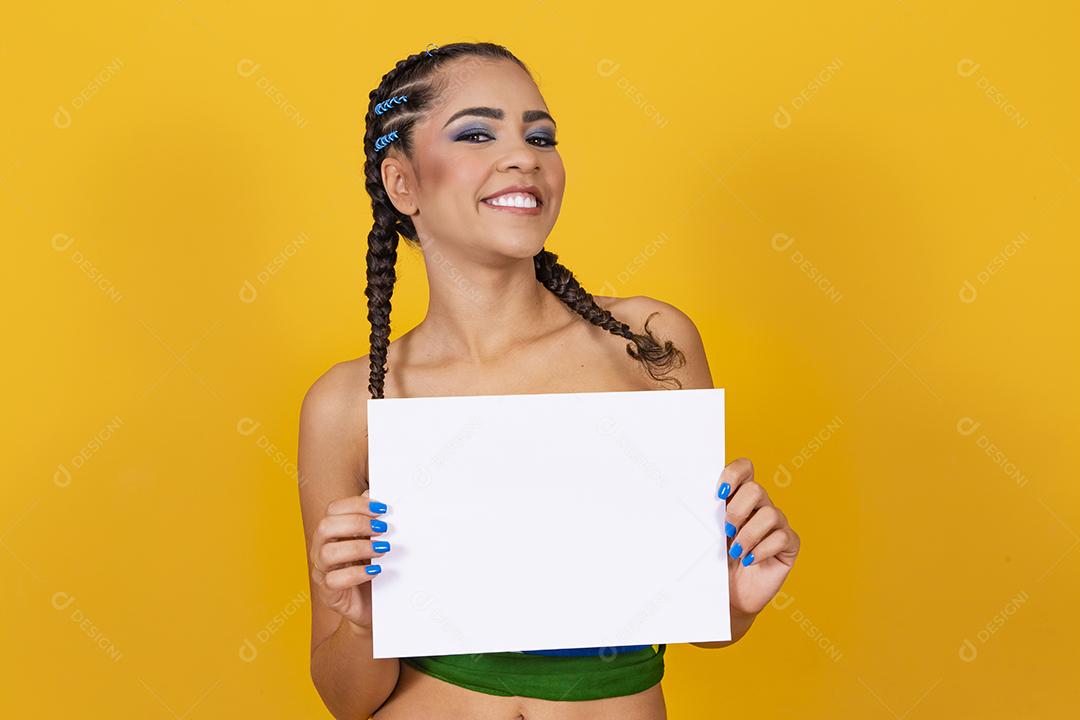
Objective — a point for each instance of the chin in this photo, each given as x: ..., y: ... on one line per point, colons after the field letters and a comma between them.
x: 523, y: 246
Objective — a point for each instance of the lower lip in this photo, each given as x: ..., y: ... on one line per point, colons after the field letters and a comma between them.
x: 512, y: 209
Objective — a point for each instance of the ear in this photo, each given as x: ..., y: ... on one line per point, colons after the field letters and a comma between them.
x: 398, y: 180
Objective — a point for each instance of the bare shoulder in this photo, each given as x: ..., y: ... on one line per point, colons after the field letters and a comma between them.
x: 662, y: 317
x: 338, y: 399
x: 333, y: 415
x: 340, y: 394
x: 665, y: 322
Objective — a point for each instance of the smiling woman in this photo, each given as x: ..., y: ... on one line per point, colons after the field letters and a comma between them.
x: 445, y: 83
x: 461, y: 161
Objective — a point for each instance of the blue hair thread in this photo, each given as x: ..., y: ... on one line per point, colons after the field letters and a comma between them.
x: 390, y: 104
x: 385, y: 140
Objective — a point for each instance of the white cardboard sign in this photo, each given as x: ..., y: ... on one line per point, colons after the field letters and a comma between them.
x: 557, y: 520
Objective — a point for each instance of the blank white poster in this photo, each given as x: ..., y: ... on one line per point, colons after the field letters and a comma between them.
x: 558, y: 520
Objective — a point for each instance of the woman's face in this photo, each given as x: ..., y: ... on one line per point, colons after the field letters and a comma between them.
x: 490, y: 131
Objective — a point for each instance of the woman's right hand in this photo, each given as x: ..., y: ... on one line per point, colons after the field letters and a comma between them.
x: 345, y: 540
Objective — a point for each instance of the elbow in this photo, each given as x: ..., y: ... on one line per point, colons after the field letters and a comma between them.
x: 338, y: 707
x: 355, y: 702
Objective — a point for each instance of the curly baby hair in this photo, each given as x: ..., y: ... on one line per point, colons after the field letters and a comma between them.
x: 405, y: 95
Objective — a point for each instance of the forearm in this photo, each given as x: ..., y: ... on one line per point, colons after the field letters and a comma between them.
x: 740, y: 624
x: 350, y: 681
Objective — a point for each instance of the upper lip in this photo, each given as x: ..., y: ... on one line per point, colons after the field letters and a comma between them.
x: 531, y: 189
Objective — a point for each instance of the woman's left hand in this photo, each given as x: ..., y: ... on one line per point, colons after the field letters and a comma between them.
x: 762, y: 546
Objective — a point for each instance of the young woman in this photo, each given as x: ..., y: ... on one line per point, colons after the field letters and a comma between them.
x: 461, y: 161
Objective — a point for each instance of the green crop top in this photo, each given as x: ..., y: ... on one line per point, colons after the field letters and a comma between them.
x: 603, y: 673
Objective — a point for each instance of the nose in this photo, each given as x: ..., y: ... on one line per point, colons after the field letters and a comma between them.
x: 521, y: 156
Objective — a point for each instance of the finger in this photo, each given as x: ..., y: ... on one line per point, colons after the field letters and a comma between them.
x: 348, y: 527
x: 762, y: 522
x: 343, y: 552
x: 774, y: 544
x: 733, y: 475
x: 748, y: 497
x: 356, y: 504
x: 352, y: 575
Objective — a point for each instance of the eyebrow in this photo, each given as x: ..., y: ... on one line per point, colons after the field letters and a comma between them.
x: 496, y: 114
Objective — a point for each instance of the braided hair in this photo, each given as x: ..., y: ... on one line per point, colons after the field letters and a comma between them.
x: 416, y: 78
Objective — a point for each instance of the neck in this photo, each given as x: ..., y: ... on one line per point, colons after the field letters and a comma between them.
x: 479, y: 311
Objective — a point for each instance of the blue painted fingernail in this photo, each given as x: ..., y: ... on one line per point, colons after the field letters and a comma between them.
x: 380, y: 546
x: 748, y: 559
x: 724, y: 491
x: 736, y: 551
x: 377, y: 507
x: 372, y: 569
x: 729, y: 529
x: 378, y: 526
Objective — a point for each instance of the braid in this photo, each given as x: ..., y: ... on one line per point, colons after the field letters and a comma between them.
x: 643, y: 348
x: 383, y: 238
x: 416, y: 77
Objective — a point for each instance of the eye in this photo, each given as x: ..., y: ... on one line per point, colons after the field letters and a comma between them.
x: 546, y: 141
x: 550, y: 142
x: 471, y: 134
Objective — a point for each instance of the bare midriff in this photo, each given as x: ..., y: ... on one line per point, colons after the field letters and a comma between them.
x: 418, y: 695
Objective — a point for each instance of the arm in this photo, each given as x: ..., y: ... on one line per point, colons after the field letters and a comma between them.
x: 332, y: 460
x: 352, y: 684
x: 766, y: 533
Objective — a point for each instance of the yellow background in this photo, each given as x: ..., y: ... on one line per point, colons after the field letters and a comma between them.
x: 867, y: 208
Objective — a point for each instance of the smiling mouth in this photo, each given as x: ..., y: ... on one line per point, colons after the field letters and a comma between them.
x: 518, y: 203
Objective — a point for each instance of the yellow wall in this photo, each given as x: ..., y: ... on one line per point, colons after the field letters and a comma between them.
x: 868, y: 209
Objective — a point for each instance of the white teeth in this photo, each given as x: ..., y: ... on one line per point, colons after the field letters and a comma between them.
x: 521, y: 200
